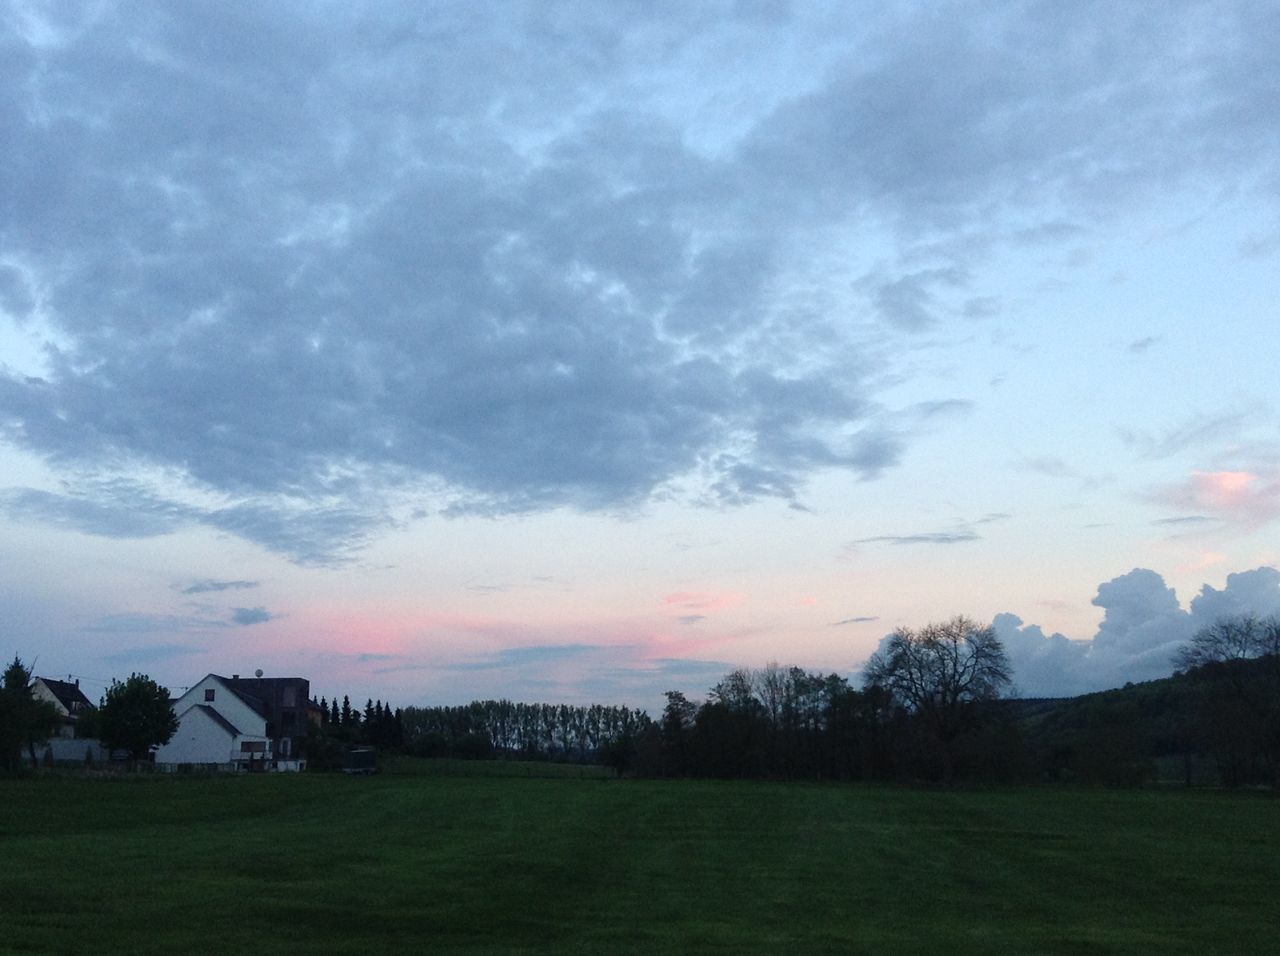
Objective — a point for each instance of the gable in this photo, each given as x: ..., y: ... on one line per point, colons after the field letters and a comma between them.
x: 213, y: 693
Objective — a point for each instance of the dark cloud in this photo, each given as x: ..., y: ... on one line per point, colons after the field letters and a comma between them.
x: 309, y: 534
x: 314, y: 263
x: 209, y: 585
x: 244, y: 616
x: 909, y: 301
x: 854, y: 620
x: 104, y: 515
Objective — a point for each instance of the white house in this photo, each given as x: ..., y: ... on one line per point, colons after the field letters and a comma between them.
x: 216, y: 725
x: 67, y: 700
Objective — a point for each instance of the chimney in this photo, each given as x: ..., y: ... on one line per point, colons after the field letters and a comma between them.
x: 77, y: 683
x: 235, y: 676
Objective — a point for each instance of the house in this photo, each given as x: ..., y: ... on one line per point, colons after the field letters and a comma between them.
x: 67, y: 699
x: 285, y: 702
x: 223, y: 722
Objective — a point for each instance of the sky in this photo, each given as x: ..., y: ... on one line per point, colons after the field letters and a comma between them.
x: 577, y: 352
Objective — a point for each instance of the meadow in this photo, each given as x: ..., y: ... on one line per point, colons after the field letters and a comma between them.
x: 504, y: 858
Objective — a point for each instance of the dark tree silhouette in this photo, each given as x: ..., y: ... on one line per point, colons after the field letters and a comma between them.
x: 137, y: 715
x: 1235, y: 662
x: 941, y: 675
x: 24, y: 721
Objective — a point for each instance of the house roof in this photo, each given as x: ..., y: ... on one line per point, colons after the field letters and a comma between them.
x: 255, y: 704
x: 68, y: 694
x: 219, y: 719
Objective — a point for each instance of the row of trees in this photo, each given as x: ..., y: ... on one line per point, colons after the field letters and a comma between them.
x: 931, y: 707
x: 479, y: 730
x: 528, y: 731
x: 925, y: 695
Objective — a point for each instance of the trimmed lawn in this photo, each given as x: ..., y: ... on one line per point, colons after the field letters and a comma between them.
x: 503, y: 859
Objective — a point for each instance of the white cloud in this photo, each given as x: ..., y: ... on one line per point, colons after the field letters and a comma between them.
x: 1142, y: 628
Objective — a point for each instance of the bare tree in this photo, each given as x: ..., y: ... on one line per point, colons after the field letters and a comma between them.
x: 1228, y: 639
x: 940, y: 674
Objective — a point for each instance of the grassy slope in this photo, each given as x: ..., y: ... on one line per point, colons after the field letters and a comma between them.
x: 528, y: 864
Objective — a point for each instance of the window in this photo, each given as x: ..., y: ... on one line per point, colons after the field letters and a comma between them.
x: 208, y: 694
x: 290, y: 697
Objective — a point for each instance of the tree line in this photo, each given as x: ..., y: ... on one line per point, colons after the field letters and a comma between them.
x: 932, y: 707
x: 925, y: 711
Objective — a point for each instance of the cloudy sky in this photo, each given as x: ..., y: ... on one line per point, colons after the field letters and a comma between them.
x: 581, y: 351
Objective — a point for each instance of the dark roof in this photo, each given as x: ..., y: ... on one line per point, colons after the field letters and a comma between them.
x: 67, y: 693
x: 255, y: 704
x: 219, y: 720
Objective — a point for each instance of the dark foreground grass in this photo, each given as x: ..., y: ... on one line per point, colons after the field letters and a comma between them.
x: 419, y: 861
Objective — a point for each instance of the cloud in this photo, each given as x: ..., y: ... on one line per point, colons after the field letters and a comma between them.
x: 854, y: 620
x: 1246, y: 592
x: 703, y: 600
x: 1143, y: 345
x: 99, y: 515
x: 209, y: 585
x: 1185, y: 520
x: 308, y: 533
x: 313, y: 264
x: 1050, y: 465
x: 993, y: 517
x: 928, y: 537
x: 1142, y: 627
x: 1243, y: 498
x: 1197, y: 431
x: 244, y: 616
x: 908, y: 301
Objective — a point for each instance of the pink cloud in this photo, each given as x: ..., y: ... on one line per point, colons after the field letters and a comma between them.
x: 1240, y: 497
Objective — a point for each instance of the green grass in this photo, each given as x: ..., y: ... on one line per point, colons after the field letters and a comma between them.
x: 522, y: 859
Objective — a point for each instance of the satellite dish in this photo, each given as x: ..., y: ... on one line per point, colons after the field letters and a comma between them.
x: 258, y: 672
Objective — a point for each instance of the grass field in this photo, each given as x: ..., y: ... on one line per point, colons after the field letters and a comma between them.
x: 496, y: 858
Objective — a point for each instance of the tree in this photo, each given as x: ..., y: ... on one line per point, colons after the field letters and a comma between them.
x: 137, y: 715
x: 1235, y: 661
x: 678, y: 719
x: 941, y: 675
x: 24, y: 720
